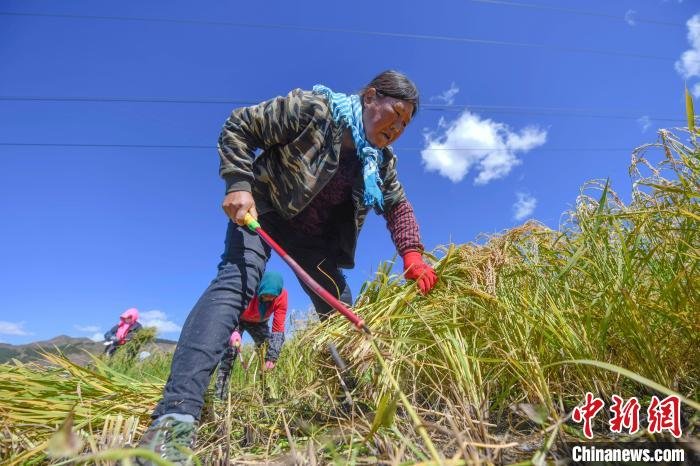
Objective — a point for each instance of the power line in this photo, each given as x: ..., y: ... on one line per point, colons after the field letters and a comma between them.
x: 349, y: 31
x: 130, y: 146
x: 124, y: 99
x: 546, y: 111
x: 503, y: 149
x: 573, y: 11
x: 209, y: 146
x: 157, y: 100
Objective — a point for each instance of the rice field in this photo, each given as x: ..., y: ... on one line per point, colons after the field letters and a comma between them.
x: 485, y: 370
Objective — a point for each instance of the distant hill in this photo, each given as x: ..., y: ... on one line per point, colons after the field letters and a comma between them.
x: 74, y: 348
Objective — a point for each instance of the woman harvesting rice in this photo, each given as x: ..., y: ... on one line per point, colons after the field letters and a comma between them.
x: 269, y: 302
x: 325, y: 162
x: 124, y: 331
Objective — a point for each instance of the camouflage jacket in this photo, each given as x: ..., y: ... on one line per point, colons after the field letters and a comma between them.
x: 300, y: 146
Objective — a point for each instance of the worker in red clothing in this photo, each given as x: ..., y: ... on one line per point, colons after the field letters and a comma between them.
x: 269, y: 301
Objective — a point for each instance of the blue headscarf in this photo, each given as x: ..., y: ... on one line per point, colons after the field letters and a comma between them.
x: 270, y: 284
x: 347, y: 109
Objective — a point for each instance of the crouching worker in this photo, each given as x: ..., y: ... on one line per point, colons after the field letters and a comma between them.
x: 325, y: 162
x: 269, y: 301
x: 122, y: 332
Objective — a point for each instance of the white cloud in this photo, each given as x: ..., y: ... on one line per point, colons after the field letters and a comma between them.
x: 524, y: 206
x: 12, y: 328
x: 159, y: 320
x: 689, y: 64
x: 97, y: 336
x: 629, y: 17
x: 644, y: 122
x: 87, y: 328
x: 488, y: 146
x: 448, y: 96
x: 696, y: 90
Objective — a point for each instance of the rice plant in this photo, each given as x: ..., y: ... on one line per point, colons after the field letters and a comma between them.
x: 485, y: 369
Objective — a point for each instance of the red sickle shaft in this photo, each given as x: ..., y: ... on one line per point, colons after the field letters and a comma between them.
x: 253, y: 224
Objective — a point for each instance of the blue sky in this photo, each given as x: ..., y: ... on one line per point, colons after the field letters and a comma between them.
x: 528, y: 103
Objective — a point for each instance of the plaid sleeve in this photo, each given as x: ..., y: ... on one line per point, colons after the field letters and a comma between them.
x: 402, y: 224
x: 274, y: 346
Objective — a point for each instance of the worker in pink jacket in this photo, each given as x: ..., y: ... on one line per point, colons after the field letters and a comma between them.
x: 122, y: 332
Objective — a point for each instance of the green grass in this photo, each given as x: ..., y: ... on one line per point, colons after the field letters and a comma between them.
x: 484, y: 369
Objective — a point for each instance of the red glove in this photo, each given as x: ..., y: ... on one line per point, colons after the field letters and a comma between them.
x: 415, y: 269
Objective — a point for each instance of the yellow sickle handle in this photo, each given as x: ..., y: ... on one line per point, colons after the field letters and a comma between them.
x: 250, y: 222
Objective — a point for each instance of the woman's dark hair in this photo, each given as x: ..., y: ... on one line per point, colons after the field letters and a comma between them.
x: 394, y: 84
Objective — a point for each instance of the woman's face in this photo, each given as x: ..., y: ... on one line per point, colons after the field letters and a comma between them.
x: 384, y: 117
